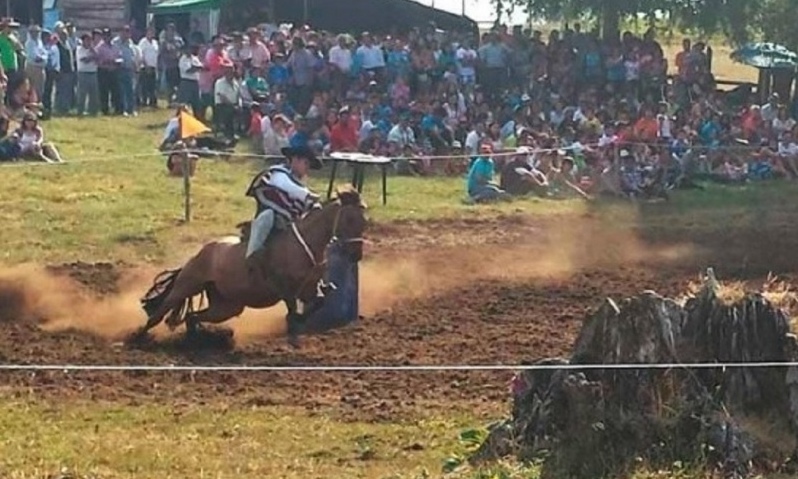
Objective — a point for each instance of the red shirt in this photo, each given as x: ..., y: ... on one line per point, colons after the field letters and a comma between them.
x: 254, y: 124
x: 343, y: 136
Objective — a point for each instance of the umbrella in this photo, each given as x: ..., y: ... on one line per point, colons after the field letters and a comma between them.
x: 765, y: 55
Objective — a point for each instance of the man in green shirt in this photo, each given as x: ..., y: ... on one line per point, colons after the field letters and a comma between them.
x: 10, y: 47
x: 257, y: 86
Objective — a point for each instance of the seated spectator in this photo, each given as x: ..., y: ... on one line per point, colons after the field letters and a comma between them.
x: 9, y: 144
x: 30, y: 138
x: 276, y: 132
x: 519, y: 176
x: 480, y: 185
x: 254, y: 131
x: 24, y: 99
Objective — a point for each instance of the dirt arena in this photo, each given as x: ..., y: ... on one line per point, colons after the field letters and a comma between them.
x: 498, y: 291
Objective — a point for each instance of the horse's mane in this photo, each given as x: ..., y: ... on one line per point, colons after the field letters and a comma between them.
x: 348, y: 196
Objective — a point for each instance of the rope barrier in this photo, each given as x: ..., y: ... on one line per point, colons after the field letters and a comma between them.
x: 387, y: 368
x: 228, y: 154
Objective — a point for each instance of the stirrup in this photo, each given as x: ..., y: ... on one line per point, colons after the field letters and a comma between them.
x: 325, y: 288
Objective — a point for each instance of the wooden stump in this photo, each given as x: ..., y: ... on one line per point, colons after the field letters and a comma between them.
x: 600, y: 421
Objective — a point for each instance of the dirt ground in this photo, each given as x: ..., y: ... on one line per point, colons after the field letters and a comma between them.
x: 498, y: 291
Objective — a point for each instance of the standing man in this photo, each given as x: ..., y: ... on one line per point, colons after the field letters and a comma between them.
x: 149, y: 69
x: 9, y: 48
x: 65, y: 83
x: 52, y: 71
x: 36, y: 53
x: 227, y: 95
x: 88, y: 89
x: 128, y: 68
x: 109, y: 58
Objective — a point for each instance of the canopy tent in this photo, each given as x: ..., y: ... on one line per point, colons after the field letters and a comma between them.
x: 766, y: 56
x: 177, y: 7
x: 379, y: 16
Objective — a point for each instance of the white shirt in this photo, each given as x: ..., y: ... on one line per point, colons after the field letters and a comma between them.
x: 341, y: 58
x: 403, y: 137
x: 788, y: 149
x: 664, y: 126
x: 171, y: 128
x: 472, y: 142
x: 149, y: 52
x: 372, y: 57
x: 187, y: 63
x: 230, y: 89
x: 469, y: 55
x: 85, y: 66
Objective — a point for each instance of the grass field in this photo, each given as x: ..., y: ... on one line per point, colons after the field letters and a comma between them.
x: 159, y: 441
x: 114, y: 202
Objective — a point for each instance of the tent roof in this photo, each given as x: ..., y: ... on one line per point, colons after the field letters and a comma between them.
x: 174, y: 7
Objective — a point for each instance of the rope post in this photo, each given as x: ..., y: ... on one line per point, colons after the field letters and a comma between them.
x: 186, y: 158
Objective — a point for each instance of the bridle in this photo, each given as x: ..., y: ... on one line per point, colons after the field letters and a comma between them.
x: 333, y: 239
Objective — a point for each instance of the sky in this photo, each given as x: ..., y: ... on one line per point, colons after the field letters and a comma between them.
x: 479, y: 10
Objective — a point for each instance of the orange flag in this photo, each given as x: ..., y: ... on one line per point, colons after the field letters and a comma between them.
x: 190, y: 126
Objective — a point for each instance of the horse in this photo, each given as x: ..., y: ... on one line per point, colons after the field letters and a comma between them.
x: 288, y: 268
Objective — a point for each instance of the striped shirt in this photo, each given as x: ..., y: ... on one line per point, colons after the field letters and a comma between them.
x: 279, y: 190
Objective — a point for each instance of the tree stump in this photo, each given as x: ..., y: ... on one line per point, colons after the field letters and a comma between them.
x: 592, y: 422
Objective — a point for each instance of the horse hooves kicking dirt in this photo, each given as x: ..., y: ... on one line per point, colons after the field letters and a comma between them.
x: 207, y: 338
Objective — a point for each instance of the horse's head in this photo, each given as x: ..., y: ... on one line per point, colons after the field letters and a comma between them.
x: 350, y: 222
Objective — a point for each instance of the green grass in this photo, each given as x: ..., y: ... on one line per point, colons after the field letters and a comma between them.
x: 156, y: 441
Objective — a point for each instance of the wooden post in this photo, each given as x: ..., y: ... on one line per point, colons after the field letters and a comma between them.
x: 187, y: 186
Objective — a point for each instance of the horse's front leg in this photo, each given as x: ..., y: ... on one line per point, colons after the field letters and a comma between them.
x: 294, y: 321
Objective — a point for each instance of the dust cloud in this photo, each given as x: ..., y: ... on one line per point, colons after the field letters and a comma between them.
x: 56, y: 303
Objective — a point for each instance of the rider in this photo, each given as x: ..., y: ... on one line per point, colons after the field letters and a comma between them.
x: 280, y: 193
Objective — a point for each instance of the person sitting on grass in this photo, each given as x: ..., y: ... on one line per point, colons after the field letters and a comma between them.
x: 30, y: 137
x: 24, y: 99
x: 9, y: 146
x: 481, y: 188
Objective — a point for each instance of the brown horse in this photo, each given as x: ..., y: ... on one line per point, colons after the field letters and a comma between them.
x: 288, y: 268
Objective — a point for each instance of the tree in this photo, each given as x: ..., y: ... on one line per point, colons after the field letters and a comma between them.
x: 734, y: 18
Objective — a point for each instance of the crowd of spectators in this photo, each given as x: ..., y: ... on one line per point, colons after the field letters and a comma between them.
x: 566, y: 114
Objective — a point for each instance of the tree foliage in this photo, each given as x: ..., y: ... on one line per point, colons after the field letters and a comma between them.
x: 738, y: 20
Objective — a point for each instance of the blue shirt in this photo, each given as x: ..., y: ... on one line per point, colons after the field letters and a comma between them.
x: 278, y: 74
x: 481, y: 172
x: 431, y: 121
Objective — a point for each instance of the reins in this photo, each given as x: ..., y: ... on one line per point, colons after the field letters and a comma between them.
x: 333, y: 239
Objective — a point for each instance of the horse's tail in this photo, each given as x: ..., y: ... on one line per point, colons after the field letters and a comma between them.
x: 161, y: 287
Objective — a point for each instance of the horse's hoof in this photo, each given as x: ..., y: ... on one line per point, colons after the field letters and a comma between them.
x: 293, y: 341
x: 138, y: 338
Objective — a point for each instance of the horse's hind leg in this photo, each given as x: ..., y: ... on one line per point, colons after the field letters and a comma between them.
x: 187, y: 284
x: 219, y: 310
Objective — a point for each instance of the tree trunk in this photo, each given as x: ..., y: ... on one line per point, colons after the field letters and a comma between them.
x: 610, y: 21
x: 596, y: 422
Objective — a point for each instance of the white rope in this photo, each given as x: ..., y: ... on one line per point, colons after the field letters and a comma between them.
x: 398, y: 369
x: 228, y: 154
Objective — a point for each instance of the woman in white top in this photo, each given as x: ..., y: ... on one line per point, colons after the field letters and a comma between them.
x: 783, y: 123
x: 30, y: 138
